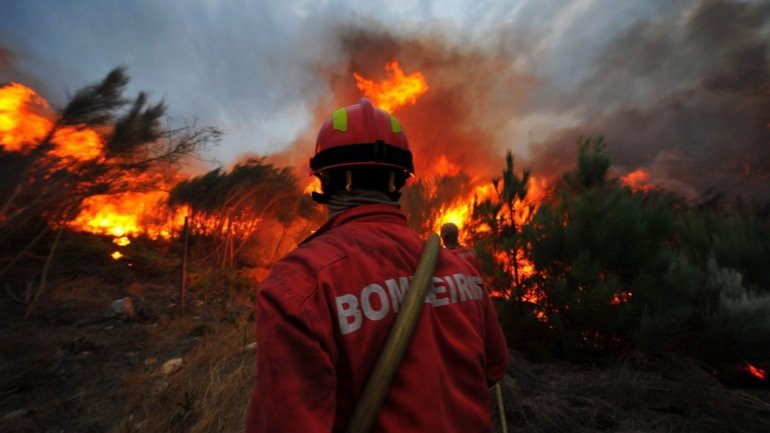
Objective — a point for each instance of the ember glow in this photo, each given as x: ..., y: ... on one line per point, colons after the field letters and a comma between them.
x: 621, y: 298
x: 122, y: 241
x: 756, y: 372
x: 396, y: 91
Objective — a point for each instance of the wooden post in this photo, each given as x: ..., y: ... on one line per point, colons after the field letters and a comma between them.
x: 183, y: 276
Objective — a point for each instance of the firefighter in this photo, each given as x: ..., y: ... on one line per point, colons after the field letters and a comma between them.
x: 450, y: 236
x: 325, y: 310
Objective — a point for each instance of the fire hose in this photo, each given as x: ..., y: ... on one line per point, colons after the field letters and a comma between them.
x: 387, y: 364
x: 398, y: 340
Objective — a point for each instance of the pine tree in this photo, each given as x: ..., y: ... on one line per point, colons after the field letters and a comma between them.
x: 498, y: 227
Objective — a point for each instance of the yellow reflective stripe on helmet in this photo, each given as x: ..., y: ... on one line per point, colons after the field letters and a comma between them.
x: 394, y: 125
x: 340, y: 120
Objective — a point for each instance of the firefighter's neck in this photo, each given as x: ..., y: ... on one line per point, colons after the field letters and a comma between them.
x: 343, y: 200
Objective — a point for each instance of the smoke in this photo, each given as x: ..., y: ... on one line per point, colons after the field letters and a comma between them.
x: 472, y: 93
x: 688, y: 98
x: 678, y: 87
x: 5, y: 58
x: 681, y: 91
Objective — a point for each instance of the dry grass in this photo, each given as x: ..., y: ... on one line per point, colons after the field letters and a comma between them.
x: 209, y: 394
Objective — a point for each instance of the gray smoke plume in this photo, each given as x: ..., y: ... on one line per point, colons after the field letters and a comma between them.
x: 687, y: 98
x: 682, y: 91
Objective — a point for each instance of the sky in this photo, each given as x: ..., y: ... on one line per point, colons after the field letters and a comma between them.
x: 248, y: 67
x: 262, y: 70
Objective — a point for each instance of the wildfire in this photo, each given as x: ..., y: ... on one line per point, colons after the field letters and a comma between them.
x: 116, y: 255
x: 394, y: 92
x: 127, y: 214
x: 460, y: 212
x: 638, y: 180
x: 26, y: 121
x: 19, y: 121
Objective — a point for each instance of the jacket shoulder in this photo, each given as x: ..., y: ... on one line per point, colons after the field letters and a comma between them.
x: 296, y: 273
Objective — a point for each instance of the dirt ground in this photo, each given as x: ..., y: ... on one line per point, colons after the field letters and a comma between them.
x: 70, y: 368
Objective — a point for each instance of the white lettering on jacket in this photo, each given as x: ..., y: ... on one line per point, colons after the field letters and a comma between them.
x: 375, y: 302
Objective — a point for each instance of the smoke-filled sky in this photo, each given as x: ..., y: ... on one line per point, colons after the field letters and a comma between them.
x: 680, y: 88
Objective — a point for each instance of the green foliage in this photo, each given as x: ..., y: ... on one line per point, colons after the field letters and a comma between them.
x: 619, y: 268
x: 95, y: 105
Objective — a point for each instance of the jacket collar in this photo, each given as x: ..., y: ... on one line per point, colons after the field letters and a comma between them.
x: 367, y: 212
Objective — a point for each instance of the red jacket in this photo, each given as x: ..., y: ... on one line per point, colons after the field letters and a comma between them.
x: 323, y: 315
x: 468, y: 254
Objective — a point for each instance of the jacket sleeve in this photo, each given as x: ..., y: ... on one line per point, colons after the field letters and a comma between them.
x: 496, y: 348
x: 295, y: 382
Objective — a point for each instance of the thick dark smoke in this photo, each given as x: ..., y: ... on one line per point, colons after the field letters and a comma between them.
x: 690, y: 103
x: 684, y: 95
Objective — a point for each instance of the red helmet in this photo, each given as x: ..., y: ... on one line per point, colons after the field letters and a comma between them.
x: 361, y: 135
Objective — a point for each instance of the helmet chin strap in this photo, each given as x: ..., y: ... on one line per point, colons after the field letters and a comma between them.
x: 319, y: 198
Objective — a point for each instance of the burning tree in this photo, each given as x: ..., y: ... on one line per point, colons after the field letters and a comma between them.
x: 498, y: 226
x: 99, y: 144
x: 231, y: 208
x: 425, y: 201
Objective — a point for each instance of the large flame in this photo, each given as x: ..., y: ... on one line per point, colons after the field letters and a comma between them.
x: 20, y: 120
x: 395, y: 91
x: 26, y: 120
x: 128, y: 215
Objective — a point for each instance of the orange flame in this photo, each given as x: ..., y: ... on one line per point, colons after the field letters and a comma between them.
x: 127, y: 214
x: 395, y: 91
x: 20, y: 122
x: 25, y: 121
x: 313, y: 186
x: 122, y: 241
x: 116, y: 255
